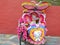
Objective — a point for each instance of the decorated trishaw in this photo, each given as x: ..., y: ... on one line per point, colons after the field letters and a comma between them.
x: 32, y: 25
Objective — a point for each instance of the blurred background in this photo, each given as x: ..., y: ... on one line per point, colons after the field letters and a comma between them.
x: 53, y: 2
x: 11, y: 11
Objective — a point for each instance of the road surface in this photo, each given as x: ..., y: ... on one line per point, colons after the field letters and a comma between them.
x: 6, y: 39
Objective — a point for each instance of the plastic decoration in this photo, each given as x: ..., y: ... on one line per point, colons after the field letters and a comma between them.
x: 32, y: 24
x: 37, y: 34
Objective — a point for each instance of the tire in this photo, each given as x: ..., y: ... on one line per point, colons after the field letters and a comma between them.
x: 20, y: 39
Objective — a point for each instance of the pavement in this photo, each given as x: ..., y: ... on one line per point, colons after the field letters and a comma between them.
x: 9, y: 39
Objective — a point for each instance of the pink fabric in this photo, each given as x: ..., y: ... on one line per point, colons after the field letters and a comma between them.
x: 21, y: 29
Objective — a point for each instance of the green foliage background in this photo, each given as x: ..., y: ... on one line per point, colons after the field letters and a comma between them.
x: 53, y: 2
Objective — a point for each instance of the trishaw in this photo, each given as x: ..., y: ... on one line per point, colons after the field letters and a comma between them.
x: 32, y: 25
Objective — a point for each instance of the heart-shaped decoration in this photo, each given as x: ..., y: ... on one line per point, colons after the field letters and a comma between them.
x: 36, y: 34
